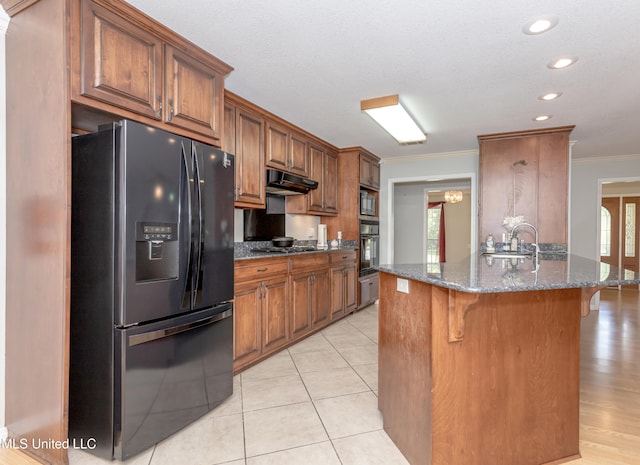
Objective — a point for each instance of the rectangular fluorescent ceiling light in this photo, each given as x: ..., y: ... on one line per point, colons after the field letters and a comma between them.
x: 391, y: 115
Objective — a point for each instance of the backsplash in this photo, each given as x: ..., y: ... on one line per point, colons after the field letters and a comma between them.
x: 243, y: 249
x: 296, y: 226
x: 548, y: 247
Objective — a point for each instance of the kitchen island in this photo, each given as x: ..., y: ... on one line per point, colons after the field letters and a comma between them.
x: 479, y: 361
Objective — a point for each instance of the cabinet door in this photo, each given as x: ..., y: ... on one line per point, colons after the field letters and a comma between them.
x: 301, y: 291
x: 121, y: 63
x: 298, y: 154
x: 323, y: 167
x: 229, y: 131
x: 250, y: 171
x: 275, y: 309
x: 369, y: 172
x: 330, y: 183
x: 247, y: 323
x: 365, y: 171
x: 350, y: 286
x: 316, y: 172
x: 321, y: 304
x: 194, y: 94
x: 277, y: 155
x: 375, y: 175
x: 337, y: 293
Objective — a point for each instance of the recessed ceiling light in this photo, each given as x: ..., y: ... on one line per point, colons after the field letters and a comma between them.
x: 542, y: 118
x: 540, y: 25
x: 561, y: 63
x: 550, y: 96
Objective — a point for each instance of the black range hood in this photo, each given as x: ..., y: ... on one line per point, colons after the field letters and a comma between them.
x: 282, y: 183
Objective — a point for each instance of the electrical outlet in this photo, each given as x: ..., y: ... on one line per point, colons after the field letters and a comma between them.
x: 402, y: 285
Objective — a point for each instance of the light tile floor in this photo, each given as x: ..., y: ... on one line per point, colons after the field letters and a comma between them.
x: 314, y: 403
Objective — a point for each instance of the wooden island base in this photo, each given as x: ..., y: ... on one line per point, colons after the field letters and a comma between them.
x: 479, y: 379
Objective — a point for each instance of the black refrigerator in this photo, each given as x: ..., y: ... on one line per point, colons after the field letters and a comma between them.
x: 151, y: 341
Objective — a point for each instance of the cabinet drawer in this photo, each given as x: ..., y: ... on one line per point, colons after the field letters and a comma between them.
x: 249, y: 270
x: 314, y: 260
x: 341, y: 258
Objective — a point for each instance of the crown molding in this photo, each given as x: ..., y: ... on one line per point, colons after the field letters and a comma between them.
x: 429, y: 156
x: 606, y: 159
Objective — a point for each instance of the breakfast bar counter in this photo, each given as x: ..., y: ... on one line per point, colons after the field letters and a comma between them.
x: 479, y: 361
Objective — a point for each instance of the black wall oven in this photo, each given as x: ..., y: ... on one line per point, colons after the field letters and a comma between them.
x: 369, y: 246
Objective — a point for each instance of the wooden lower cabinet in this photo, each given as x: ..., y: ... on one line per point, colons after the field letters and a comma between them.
x: 320, y: 308
x: 309, y: 301
x: 261, y: 318
x: 279, y: 301
x: 261, y: 309
x: 343, y: 283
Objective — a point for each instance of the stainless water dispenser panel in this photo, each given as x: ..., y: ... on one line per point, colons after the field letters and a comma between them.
x: 156, y: 251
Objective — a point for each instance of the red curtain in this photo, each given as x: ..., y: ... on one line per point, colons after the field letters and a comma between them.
x: 441, y: 238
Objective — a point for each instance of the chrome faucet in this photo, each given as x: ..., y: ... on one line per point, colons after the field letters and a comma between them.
x: 535, y: 244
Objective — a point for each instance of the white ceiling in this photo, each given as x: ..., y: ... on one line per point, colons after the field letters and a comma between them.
x: 462, y: 68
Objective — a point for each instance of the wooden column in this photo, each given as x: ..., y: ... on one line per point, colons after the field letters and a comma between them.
x: 38, y: 193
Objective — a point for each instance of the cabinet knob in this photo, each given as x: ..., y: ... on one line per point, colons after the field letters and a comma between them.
x: 159, y: 114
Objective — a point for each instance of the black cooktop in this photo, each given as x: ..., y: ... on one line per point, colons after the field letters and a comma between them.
x: 294, y: 248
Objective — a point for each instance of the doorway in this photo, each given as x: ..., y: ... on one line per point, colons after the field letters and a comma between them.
x: 619, y: 238
x: 408, y: 217
x: 620, y: 232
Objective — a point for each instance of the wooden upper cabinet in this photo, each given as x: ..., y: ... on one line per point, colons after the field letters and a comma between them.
x: 286, y: 150
x: 525, y: 174
x: 121, y: 63
x: 194, y: 94
x: 369, y: 171
x: 324, y: 169
x: 299, y: 154
x: 126, y: 64
x: 243, y: 136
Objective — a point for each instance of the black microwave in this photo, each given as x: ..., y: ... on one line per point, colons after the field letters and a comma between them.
x: 367, y: 204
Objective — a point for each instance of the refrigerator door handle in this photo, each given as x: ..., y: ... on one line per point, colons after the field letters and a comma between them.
x: 199, y: 239
x: 189, y: 215
x: 137, y: 339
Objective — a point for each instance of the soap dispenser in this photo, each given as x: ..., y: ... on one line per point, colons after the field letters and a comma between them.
x: 491, y: 248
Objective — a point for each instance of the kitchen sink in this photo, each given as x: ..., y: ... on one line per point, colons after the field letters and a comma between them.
x: 508, y: 255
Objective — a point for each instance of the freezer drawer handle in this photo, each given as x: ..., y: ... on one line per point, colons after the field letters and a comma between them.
x: 162, y: 333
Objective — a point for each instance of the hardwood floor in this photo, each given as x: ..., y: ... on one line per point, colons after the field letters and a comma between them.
x: 610, y: 381
x: 15, y: 457
x: 610, y: 385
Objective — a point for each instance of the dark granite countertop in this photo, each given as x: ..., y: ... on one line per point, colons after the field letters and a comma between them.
x: 481, y: 275
x: 247, y: 250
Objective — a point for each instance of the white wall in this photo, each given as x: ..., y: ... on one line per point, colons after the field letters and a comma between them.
x: 4, y: 23
x: 409, y: 217
x: 406, y: 169
x: 585, y: 197
x: 457, y: 223
x: 409, y: 223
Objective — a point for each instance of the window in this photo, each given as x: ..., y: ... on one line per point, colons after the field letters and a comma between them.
x: 433, y: 234
x: 605, y: 232
x: 630, y: 230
